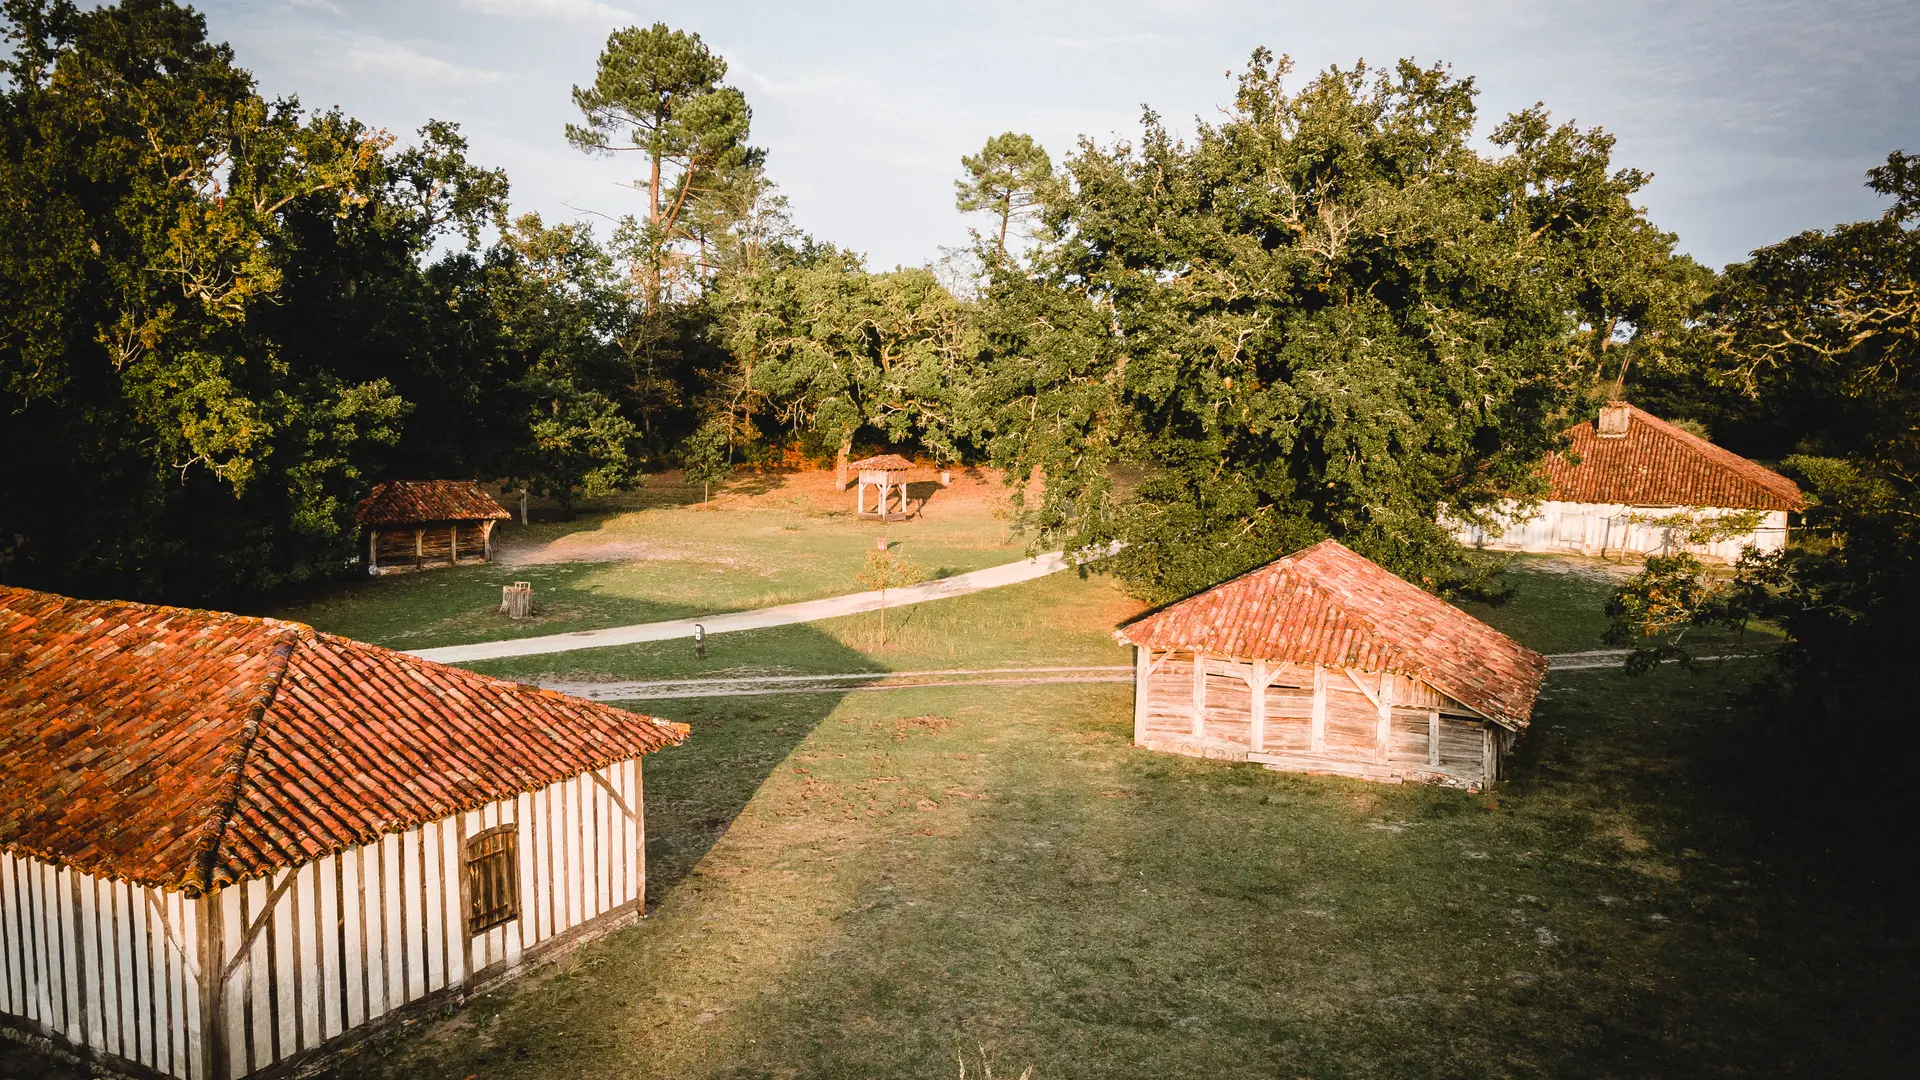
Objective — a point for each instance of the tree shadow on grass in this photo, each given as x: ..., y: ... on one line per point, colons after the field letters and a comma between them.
x: 695, y: 791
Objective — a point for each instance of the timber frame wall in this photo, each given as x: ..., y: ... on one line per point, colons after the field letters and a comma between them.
x: 265, y: 976
x: 395, y: 549
x: 1312, y: 718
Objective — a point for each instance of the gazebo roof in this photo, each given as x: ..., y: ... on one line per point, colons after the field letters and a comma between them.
x: 881, y: 463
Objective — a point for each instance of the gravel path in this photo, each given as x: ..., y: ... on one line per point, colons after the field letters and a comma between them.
x: 806, y: 611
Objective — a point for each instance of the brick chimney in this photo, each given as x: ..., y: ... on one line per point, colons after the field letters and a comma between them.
x: 1614, y: 417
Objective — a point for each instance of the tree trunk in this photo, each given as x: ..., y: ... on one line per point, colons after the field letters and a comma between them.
x: 840, y: 464
x: 655, y: 247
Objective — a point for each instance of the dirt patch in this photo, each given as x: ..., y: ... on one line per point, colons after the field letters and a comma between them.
x: 581, y: 548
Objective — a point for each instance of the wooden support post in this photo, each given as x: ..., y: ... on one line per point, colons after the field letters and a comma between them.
x: 1318, y: 744
x: 1433, y: 738
x: 373, y: 549
x: 214, y: 1058
x: 1257, y: 708
x: 1383, y: 729
x: 860, y: 496
x: 1489, y: 757
x: 419, y: 547
x: 453, y: 544
x: 1199, y: 694
x: 486, y: 539
x: 1142, y: 673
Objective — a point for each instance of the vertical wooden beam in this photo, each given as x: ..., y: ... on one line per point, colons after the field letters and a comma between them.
x: 1319, y: 721
x: 1383, y: 728
x: 1142, y: 672
x: 1433, y: 738
x: 1489, y: 757
x: 1257, y: 708
x: 373, y: 549
x: 1199, y: 694
x: 419, y: 547
x: 860, y: 496
x: 486, y: 538
x: 214, y: 1058
x: 453, y: 544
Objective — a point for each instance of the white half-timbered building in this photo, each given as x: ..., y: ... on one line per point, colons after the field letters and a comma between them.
x: 1323, y: 662
x: 230, y: 845
x: 1631, y: 484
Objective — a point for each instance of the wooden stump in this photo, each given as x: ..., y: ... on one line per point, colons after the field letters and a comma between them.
x: 516, y: 600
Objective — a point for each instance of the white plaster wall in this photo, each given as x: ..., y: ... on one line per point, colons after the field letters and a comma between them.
x: 1611, y: 529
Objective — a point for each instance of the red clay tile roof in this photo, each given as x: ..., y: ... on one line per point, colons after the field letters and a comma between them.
x: 1327, y: 605
x: 1657, y: 464
x: 188, y: 749
x: 405, y: 502
x: 881, y: 463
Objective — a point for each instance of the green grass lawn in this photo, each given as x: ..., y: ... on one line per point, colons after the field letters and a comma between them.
x: 865, y: 885
x: 655, y: 554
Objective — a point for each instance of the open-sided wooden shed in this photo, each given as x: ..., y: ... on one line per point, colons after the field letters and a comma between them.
x: 1324, y: 662
x: 415, y: 524
x: 886, y: 474
x: 231, y: 845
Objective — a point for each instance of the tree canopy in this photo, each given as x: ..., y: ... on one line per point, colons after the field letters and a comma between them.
x: 1328, y: 314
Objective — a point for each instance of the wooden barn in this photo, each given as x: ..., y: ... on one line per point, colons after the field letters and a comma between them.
x: 1625, y: 474
x: 886, y: 475
x: 415, y: 524
x: 1323, y: 662
x: 232, y: 845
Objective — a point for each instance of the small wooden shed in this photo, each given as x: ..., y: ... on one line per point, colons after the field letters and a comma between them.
x: 1323, y: 662
x: 416, y: 524
x: 233, y: 845
x: 886, y: 474
x: 1628, y: 478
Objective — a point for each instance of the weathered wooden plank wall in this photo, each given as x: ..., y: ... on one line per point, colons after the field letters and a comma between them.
x: 1213, y: 715
x: 100, y: 964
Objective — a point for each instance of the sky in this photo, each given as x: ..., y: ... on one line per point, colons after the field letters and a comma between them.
x: 1757, y: 118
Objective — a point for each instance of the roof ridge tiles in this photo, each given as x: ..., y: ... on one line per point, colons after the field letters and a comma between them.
x: 219, y: 817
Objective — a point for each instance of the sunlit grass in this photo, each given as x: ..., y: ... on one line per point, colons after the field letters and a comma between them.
x: 871, y: 884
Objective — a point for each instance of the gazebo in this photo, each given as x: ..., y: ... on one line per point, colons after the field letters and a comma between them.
x: 884, y: 473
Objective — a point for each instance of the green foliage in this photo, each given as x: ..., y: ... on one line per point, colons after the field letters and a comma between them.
x: 154, y: 206
x: 705, y: 456
x: 217, y: 327
x: 1821, y: 332
x: 657, y: 92
x: 887, y: 569
x: 829, y: 350
x: 560, y: 312
x: 1008, y: 179
x: 1328, y: 315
